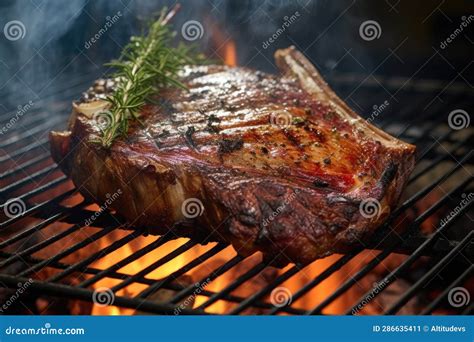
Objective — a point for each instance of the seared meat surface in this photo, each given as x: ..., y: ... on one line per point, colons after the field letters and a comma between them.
x: 277, y: 164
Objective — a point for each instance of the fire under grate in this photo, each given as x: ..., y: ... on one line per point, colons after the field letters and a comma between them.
x: 414, y: 264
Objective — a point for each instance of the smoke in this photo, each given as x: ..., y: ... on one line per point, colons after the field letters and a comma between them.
x: 68, y: 40
x: 28, y: 60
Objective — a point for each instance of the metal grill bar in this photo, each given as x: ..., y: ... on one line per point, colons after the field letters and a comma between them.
x: 242, y: 279
x: 436, y: 161
x: 408, y: 294
x: 60, y: 290
x: 22, y: 144
x: 28, y: 232
x: 260, y: 294
x: 375, y: 261
x: 405, y: 113
x: 31, y: 132
x: 28, y: 148
x: 436, y: 303
x: 213, y: 275
x: 181, y: 249
x: 146, y: 281
x: 321, y: 277
x: 39, y: 190
x: 34, y: 176
x: 430, y: 187
x: 432, y: 124
x: 79, y: 265
x: 428, y: 150
x: 37, y: 207
x: 40, y: 245
x: 175, y: 275
x: 411, y: 259
x: 30, y: 162
x: 135, y: 256
x: 67, y: 251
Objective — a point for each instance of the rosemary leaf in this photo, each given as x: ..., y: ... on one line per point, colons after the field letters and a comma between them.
x: 146, y: 65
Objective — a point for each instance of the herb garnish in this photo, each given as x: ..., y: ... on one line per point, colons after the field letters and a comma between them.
x: 148, y: 63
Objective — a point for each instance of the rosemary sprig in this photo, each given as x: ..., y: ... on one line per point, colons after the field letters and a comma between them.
x: 148, y: 63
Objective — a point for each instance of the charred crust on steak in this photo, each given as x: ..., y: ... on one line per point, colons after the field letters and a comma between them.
x: 319, y: 183
x: 292, y: 137
x: 188, y: 135
x: 210, y: 127
x: 335, y: 228
x: 349, y: 212
x: 274, y: 193
x: 248, y: 220
x: 388, y: 175
x: 228, y: 145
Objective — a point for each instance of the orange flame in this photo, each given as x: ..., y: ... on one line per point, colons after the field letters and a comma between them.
x: 230, y: 54
x: 308, y: 301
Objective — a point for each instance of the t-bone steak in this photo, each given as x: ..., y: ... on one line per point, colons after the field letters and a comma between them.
x: 277, y: 164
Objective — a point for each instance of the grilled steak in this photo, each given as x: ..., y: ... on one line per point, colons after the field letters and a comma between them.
x: 277, y: 164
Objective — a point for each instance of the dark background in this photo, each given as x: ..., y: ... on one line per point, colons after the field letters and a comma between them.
x: 52, y: 53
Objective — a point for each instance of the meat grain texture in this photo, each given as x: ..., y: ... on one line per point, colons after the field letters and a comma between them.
x: 280, y: 164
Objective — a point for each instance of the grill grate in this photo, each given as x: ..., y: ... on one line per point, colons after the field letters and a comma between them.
x: 54, y: 213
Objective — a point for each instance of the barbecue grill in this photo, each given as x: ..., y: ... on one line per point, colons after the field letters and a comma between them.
x: 46, y: 243
x: 60, y: 254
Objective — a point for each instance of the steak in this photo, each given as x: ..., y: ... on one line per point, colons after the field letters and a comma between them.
x: 277, y: 164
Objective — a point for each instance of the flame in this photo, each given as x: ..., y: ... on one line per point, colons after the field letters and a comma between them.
x: 222, y: 46
x: 138, y: 265
x: 308, y: 301
x: 230, y: 53
x: 321, y: 291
